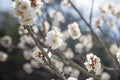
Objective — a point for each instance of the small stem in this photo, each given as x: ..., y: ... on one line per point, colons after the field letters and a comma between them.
x: 108, y: 68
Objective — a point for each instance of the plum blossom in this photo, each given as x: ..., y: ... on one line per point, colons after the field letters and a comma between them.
x: 69, y: 53
x: 22, y: 30
x: 3, y: 56
x: 118, y: 56
x: 46, y: 26
x: 67, y: 69
x: 113, y: 49
x: 6, y: 41
x: 73, y: 30
x: 27, y: 39
x: 34, y: 64
x: 48, y: 1
x: 72, y: 78
x: 36, y: 4
x: 86, y: 41
x: 27, y: 68
x: 57, y: 16
x: 29, y: 20
x: 38, y: 56
x: 105, y: 76
x: 90, y: 78
x: 27, y: 54
x: 26, y: 10
x: 116, y: 12
x: 64, y: 3
x: 75, y: 73
x: 92, y: 63
x: 54, y: 39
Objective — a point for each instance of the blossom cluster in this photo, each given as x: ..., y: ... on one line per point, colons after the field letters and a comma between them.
x: 27, y: 10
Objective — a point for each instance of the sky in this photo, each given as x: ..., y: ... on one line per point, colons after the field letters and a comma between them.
x: 5, y: 5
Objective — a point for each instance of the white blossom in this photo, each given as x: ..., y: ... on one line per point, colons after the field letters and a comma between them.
x: 21, y: 45
x: 105, y: 76
x: 37, y: 5
x: 75, y: 73
x: 38, y: 12
x: 57, y: 16
x: 18, y: 13
x: 27, y: 54
x: 73, y: 30
x: 69, y: 54
x: 57, y: 63
x: 78, y: 47
x: 118, y: 56
x: 90, y: 78
x: 6, y: 41
x: 46, y: 26
x: 38, y: 56
x: 116, y: 12
x: 72, y: 78
x: 64, y: 3
x: 22, y: 30
x: 65, y: 35
x: 27, y: 39
x: 27, y: 68
x: 48, y: 1
x: 63, y: 46
x: 22, y: 9
x: 86, y: 41
x: 3, y: 56
x: 54, y: 39
x: 98, y: 22
x: 26, y: 11
x: 113, y: 48
x: 29, y: 20
x: 92, y: 63
x: 67, y: 69
x: 34, y: 64
x: 35, y: 29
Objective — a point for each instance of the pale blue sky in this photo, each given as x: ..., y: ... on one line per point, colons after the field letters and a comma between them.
x: 6, y: 5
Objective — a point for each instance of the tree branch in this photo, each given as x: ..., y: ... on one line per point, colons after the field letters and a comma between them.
x: 51, y: 65
x: 110, y: 57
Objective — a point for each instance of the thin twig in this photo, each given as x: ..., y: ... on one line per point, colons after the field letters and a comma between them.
x: 108, y: 68
x: 91, y: 12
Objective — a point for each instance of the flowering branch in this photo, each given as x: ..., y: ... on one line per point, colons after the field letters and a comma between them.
x: 51, y: 65
x: 99, y: 39
x: 65, y: 60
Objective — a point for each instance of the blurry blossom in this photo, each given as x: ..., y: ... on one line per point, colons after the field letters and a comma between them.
x: 6, y: 41
x: 3, y: 56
